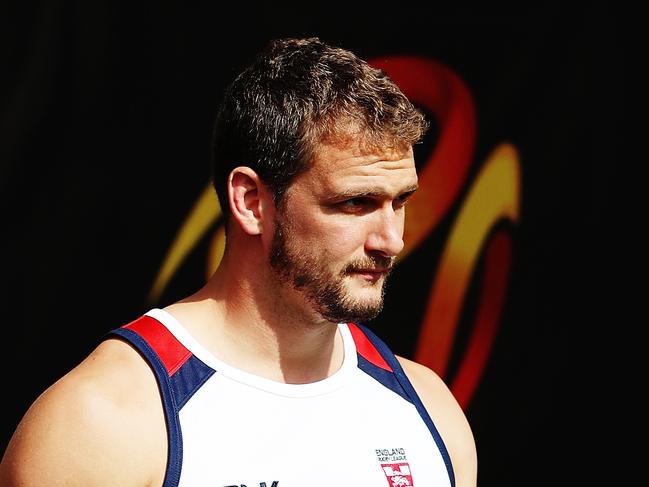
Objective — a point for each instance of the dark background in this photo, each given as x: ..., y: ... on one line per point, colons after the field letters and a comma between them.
x: 106, y: 112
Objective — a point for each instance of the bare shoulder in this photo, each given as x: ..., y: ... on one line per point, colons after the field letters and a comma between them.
x: 449, y: 419
x: 100, y: 424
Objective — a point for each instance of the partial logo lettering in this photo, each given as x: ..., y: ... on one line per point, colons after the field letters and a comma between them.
x: 261, y: 484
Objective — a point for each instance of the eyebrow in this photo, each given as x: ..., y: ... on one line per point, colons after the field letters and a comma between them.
x: 370, y: 192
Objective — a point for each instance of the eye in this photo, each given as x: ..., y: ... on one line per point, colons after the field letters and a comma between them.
x: 352, y: 203
x: 355, y: 205
x: 401, y: 201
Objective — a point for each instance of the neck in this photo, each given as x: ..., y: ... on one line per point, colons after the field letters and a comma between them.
x: 246, y: 319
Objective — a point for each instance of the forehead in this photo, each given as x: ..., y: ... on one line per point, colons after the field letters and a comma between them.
x: 347, y: 168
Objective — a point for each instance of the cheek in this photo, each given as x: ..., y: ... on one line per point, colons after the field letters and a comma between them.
x: 343, y: 240
x: 336, y: 239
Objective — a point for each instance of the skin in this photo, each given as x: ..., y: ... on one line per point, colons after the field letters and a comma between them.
x: 102, y: 423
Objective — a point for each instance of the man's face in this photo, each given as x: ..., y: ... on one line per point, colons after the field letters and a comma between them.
x: 339, y: 228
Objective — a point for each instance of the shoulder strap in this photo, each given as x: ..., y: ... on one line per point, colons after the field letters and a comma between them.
x: 371, y: 348
x: 178, y: 373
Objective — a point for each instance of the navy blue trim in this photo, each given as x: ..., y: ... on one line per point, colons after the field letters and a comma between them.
x: 385, y: 377
x: 188, y: 379
x: 401, y: 377
x: 174, y: 433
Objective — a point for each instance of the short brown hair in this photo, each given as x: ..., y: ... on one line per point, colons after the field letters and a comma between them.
x: 296, y: 94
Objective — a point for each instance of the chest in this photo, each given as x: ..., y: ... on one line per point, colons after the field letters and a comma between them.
x: 358, y: 435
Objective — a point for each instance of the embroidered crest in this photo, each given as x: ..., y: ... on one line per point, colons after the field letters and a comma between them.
x: 394, y: 463
x: 398, y: 474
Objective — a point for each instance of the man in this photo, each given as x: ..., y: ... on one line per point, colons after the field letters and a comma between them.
x: 266, y: 376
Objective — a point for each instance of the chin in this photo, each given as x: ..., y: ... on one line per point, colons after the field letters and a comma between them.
x: 357, y: 310
x: 365, y: 293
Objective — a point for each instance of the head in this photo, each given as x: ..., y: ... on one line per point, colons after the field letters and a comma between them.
x: 309, y: 120
x: 297, y: 94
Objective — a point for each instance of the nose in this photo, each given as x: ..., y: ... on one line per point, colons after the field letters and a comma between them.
x: 386, y: 234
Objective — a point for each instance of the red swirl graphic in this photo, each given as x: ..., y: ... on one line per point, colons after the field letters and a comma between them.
x: 442, y: 92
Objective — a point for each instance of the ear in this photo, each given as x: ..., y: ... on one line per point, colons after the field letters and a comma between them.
x: 249, y: 198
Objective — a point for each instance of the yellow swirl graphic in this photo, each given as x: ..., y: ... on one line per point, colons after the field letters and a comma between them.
x: 494, y: 195
x: 204, y: 213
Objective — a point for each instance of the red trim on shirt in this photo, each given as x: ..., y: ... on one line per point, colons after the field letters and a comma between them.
x: 367, y: 350
x: 172, y: 353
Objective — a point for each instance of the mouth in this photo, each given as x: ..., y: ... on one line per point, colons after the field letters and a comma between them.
x: 369, y: 274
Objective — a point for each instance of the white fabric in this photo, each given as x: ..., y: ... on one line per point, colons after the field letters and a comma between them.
x: 346, y: 430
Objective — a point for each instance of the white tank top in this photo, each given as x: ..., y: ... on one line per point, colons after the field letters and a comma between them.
x: 363, y: 426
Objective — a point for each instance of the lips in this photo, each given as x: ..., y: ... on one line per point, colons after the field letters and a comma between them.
x: 371, y: 269
x: 370, y: 274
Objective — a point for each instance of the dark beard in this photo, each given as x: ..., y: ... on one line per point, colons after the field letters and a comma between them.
x: 324, y: 290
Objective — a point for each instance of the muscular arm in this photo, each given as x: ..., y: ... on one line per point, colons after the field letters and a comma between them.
x: 449, y: 419
x: 97, y: 426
